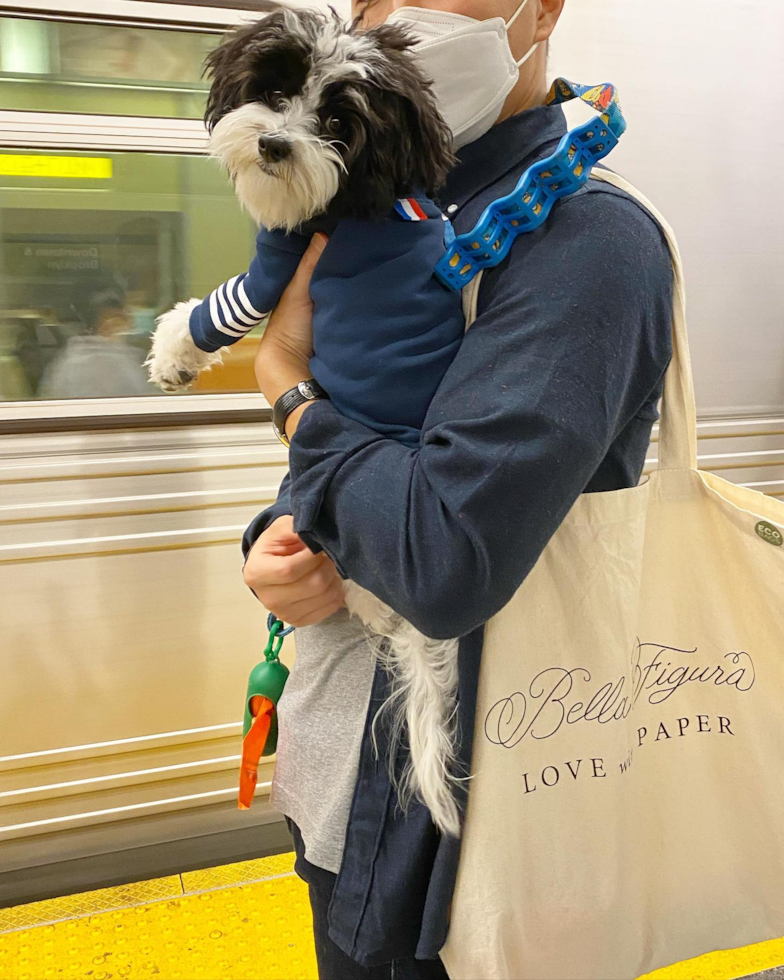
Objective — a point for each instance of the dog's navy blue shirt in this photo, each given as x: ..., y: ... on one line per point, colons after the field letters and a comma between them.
x: 552, y: 393
x: 384, y: 329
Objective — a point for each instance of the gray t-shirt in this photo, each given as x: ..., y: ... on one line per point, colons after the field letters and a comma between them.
x: 317, y: 760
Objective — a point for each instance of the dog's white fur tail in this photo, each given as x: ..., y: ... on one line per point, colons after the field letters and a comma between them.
x: 174, y: 360
x: 422, y: 704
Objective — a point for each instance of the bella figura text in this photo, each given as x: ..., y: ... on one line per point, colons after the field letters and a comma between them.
x: 658, y: 672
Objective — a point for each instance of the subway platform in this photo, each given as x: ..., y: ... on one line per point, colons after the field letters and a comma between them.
x: 245, y: 921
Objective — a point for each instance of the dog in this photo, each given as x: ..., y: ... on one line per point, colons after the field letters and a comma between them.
x: 325, y: 127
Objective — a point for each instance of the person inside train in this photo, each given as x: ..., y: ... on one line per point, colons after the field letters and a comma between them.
x: 14, y: 383
x: 97, y: 363
x: 527, y: 418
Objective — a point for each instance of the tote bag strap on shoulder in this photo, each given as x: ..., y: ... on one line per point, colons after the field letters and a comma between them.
x: 678, y: 424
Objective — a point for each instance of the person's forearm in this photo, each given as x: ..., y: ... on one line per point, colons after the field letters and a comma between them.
x: 278, y: 376
x: 445, y: 554
x: 262, y: 521
x: 282, y: 360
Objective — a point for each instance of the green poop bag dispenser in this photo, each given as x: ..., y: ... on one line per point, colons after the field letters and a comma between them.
x: 260, y: 729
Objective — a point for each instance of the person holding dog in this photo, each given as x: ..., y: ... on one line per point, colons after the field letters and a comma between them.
x: 552, y: 394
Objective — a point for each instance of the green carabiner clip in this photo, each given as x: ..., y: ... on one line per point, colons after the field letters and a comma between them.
x: 275, y: 641
x: 260, y: 727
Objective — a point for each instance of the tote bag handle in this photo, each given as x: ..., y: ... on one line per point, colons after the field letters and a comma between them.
x: 678, y: 422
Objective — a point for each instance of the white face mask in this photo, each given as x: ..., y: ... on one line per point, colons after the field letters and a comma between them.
x: 470, y: 62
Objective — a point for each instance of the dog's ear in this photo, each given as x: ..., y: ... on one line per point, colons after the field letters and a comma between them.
x: 224, y: 67
x: 230, y: 66
x: 423, y: 142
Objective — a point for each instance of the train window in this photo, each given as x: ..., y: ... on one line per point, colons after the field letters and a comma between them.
x: 96, y: 68
x: 93, y: 246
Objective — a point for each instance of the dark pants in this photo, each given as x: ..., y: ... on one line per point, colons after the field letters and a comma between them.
x: 333, y: 964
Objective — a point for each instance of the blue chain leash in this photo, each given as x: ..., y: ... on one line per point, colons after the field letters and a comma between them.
x: 542, y: 184
x: 276, y: 634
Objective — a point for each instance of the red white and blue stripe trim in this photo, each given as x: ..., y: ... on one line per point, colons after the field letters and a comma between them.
x: 409, y: 209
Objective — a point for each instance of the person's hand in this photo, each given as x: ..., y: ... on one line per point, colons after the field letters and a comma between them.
x: 283, y: 357
x: 299, y: 587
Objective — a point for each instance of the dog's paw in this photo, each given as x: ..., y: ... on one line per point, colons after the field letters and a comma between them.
x: 175, y: 361
x: 182, y: 382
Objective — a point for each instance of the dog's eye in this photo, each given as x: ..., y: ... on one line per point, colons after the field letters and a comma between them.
x: 334, y: 125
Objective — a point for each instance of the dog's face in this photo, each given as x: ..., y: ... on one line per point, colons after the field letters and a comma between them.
x: 309, y: 115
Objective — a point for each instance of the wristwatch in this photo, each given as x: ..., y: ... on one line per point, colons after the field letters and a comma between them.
x: 304, y: 392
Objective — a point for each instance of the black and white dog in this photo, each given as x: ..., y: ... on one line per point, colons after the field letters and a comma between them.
x: 343, y: 117
x: 316, y: 122
x: 323, y: 125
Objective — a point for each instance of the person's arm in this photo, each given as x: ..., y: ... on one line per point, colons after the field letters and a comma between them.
x: 260, y: 523
x: 572, y: 339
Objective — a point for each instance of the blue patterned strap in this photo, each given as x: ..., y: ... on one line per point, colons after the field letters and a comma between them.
x: 542, y: 184
x: 602, y: 98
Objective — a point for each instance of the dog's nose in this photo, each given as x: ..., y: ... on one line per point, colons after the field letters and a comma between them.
x: 273, y: 149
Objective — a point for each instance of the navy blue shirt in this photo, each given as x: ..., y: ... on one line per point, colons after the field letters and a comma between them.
x: 553, y: 393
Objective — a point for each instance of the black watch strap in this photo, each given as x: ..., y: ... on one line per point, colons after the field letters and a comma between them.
x: 304, y: 392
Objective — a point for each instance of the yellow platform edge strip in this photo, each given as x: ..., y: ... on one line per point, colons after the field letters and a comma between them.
x: 725, y: 964
x: 141, y: 893
x: 268, y: 874
x: 259, y: 931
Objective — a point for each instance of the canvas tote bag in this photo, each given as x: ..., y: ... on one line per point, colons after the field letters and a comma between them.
x: 626, y: 808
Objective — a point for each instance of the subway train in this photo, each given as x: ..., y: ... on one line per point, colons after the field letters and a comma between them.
x: 126, y: 633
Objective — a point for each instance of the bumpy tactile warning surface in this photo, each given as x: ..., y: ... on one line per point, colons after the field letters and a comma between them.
x: 726, y: 964
x: 237, y: 874
x: 248, y: 921
x: 89, y: 903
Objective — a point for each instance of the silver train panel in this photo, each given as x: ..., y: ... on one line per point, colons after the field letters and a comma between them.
x: 127, y: 632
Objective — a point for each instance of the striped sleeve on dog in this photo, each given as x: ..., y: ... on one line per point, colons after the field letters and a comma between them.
x: 231, y: 312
